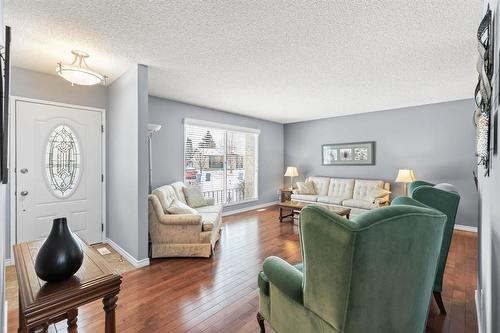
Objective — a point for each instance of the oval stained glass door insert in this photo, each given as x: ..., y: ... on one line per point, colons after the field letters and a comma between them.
x: 63, y: 161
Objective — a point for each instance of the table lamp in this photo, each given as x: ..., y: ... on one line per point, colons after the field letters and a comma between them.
x: 405, y: 176
x: 291, y: 172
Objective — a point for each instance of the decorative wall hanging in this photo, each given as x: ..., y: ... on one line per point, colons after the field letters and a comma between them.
x: 482, y: 94
x: 355, y: 153
x: 4, y: 106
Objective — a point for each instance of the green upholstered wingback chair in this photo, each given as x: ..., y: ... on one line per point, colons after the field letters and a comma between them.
x: 373, y: 273
x: 447, y: 202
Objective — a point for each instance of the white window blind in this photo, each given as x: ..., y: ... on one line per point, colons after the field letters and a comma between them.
x: 221, y: 160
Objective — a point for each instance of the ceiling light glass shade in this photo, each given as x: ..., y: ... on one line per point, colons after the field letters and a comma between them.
x: 78, y: 72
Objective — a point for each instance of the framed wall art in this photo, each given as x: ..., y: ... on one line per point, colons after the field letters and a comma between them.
x: 354, y: 153
x: 483, y: 91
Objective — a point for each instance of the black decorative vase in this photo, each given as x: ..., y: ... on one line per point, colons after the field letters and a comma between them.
x: 60, y: 256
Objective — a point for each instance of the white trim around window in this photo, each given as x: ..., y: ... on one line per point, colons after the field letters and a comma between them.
x: 212, y: 124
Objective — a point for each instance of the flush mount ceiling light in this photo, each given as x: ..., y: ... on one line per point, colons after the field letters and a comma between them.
x: 78, y: 72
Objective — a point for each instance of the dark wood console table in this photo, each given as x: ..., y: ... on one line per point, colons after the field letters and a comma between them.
x: 41, y: 303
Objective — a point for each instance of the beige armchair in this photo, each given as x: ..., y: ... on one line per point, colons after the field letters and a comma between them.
x: 182, y: 235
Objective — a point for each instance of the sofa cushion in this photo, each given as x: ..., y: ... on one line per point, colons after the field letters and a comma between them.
x: 178, y: 207
x: 362, y: 188
x: 331, y: 200
x: 342, y: 188
x: 166, y: 194
x: 194, y: 197
x: 305, y: 197
x: 210, y: 209
x: 178, y: 186
x: 306, y: 187
x: 320, y: 184
x: 359, y: 203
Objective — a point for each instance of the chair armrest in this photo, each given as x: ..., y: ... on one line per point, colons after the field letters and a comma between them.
x: 210, y: 201
x: 285, y: 277
x: 180, y: 219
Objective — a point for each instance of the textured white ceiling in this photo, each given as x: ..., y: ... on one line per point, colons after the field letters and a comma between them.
x: 279, y: 60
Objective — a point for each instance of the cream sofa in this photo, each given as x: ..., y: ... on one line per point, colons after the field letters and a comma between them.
x: 351, y: 193
x: 182, y: 235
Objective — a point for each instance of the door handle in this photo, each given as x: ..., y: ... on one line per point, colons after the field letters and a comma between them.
x: 24, y: 193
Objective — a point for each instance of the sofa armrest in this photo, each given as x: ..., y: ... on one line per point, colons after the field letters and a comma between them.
x: 285, y: 277
x: 380, y: 202
x: 180, y: 219
x: 210, y: 201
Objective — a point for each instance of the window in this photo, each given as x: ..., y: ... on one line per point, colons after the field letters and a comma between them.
x: 62, y: 161
x: 221, y: 160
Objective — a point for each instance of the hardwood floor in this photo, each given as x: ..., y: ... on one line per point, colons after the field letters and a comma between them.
x: 220, y: 294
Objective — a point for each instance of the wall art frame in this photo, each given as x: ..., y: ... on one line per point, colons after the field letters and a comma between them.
x: 351, y: 153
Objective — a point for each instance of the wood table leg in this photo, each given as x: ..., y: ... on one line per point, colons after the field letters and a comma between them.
x: 22, y: 321
x: 109, y: 308
x: 72, y: 317
x: 281, y: 214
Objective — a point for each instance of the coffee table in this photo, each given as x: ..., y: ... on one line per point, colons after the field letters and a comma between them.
x: 41, y: 303
x: 294, y: 207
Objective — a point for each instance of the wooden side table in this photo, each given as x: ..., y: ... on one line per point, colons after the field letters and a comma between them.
x: 285, y: 194
x: 42, y: 303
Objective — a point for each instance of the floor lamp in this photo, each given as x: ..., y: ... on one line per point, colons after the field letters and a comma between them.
x: 152, y: 129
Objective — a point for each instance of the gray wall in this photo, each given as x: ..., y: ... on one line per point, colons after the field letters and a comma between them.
x: 126, y: 170
x: 27, y: 83
x: 168, y: 145
x: 489, y: 229
x: 437, y: 141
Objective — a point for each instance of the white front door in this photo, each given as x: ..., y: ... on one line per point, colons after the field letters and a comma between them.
x: 58, y: 170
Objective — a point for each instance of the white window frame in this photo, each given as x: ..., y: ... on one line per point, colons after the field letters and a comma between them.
x: 225, y: 127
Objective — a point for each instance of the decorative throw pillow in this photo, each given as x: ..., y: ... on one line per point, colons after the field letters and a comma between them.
x: 306, y: 188
x: 179, y: 207
x: 446, y: 187
x: 194, y: 197
x: 376, y: 193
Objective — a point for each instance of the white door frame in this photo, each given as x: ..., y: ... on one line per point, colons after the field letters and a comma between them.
x: 13, y: 158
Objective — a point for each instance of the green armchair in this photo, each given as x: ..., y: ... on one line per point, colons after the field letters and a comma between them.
x: 371, y: 274
x: 446, y: 201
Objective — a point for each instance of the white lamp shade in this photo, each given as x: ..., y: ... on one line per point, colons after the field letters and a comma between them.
x: 405, y: 176
x: 153, y: 128
x: 291, y: 172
